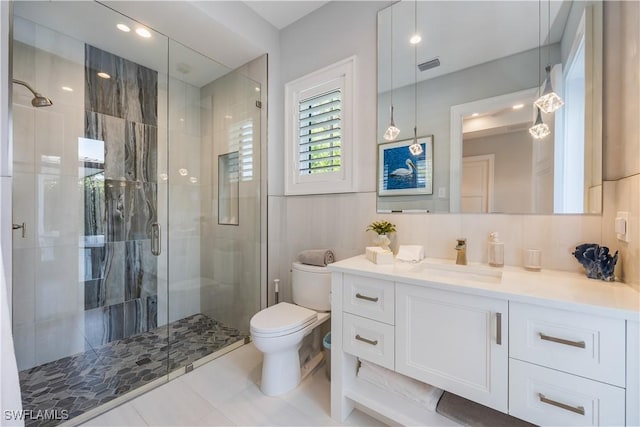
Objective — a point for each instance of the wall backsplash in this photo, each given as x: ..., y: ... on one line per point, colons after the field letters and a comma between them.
x: 338, y: 222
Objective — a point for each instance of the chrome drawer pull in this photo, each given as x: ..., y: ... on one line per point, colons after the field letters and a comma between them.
x: 359, y: 338
x: 364, y: 297
x: 579, y: 344
x: 576, y: 409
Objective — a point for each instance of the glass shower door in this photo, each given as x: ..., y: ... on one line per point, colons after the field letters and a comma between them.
x: 213, y: 189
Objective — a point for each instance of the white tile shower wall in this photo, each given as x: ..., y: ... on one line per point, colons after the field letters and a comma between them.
x: 338, y: 222
x: 46, y: 196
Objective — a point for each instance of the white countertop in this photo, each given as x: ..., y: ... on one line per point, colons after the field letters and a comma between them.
x: 551, y: 288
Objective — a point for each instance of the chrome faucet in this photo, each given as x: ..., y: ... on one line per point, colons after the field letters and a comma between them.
x: 461, y: 247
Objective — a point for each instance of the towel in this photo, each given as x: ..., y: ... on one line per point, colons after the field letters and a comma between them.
x: 319, y: 257
x: 417, y: 391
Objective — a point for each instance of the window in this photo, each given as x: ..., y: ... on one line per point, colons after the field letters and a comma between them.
x: 318, y: 135
x: 241, y: 140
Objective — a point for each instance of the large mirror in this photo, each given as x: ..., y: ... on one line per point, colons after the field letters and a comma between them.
x: 471, y: 83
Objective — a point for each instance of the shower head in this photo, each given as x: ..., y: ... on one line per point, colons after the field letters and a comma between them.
x: 39, y: 100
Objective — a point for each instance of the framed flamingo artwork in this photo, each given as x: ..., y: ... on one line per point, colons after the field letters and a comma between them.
x: 406, y: 167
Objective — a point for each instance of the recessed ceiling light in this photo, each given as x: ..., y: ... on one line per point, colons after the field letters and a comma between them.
x: 257, y: 89
x: 193, y: 180
x: 415, y: 39
x: 475, y: 114
x: 183, y: 171
x: 228, y: 116
x: 123, y: 27
x: 143, y: 32
x: 67, y: 89
x: 517, y: 106
x: 104, y: 75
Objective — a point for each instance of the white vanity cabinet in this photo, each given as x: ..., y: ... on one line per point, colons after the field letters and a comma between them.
x: 454, y: 341
x: 566, y: 368
x: 551, y: 348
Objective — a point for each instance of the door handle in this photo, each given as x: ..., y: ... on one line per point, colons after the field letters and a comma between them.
x: 22, y: 226
x: 156, y: 237
x: 499, y: 328
x: 366, y: 298
x: 579, y: 344
x: 576, y: 409
x: 372, y: 342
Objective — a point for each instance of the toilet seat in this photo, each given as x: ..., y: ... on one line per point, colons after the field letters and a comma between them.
x: 281, y: 319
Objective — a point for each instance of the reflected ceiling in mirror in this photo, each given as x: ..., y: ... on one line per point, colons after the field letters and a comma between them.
x: 479, y: 68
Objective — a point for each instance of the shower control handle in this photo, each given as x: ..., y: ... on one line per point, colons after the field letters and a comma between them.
x: 22, y: 226
x: 156, y: 237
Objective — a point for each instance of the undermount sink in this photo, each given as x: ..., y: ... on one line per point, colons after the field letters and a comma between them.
x: 447, y: 268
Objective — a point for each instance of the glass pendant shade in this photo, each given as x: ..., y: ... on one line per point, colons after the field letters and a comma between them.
x: 549, y: 101
x: 540, y: 129
x: 415, y: 148
x: 392, y: 131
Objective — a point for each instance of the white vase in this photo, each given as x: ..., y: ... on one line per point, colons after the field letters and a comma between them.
x: 383, y: 241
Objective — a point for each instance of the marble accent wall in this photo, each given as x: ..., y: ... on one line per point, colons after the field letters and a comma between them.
x: 120, y: 274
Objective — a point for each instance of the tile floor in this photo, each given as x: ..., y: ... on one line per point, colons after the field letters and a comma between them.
x: 87, y: 380
x: 225, y: 392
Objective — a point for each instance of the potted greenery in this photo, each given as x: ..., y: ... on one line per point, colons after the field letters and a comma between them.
x: 381, y: 227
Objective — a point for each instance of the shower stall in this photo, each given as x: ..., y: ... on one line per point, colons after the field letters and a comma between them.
x: 137, y: 206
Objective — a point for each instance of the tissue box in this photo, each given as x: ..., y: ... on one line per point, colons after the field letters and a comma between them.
x: 410, y: 253
x: 378, y: 255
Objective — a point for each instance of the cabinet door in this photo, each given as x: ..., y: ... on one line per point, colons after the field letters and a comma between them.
x: 454, y: 341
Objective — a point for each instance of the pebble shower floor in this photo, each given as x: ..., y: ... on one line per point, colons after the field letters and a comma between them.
x: 76, y: 384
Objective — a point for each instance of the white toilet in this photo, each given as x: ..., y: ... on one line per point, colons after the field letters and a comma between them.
x: 278, y: 331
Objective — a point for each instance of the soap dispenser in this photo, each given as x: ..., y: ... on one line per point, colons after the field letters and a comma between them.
x: 495, y: 250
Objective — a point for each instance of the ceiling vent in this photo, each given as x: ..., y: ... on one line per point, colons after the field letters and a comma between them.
x: 427, y: 65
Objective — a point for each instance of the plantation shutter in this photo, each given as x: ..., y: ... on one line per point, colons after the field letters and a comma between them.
x: 320, y: 133
x: 241, y: 140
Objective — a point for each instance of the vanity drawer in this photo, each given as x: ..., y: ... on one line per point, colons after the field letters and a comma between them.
x: 546, y: 397
x: 368, y: 339
x: 581, y: 344
x: 370, y: 298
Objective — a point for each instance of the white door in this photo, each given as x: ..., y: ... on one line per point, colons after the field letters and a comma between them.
x: 477, y: 184
x: 454, y: 341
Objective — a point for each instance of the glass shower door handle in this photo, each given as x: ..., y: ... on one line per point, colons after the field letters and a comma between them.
x: 156, y: 236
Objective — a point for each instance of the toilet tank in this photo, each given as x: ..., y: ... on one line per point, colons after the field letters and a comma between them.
x: 311, y: 286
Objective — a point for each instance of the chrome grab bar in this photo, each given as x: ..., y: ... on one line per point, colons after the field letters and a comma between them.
x: 364, y: 297
x: 156, y: 234
x: 579, y: 344
x: 576, y: 409
x: 372, y: 342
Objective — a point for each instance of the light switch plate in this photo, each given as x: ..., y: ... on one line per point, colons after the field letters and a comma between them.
x: 622, y: 226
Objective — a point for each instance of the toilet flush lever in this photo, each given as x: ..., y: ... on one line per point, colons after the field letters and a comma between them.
x: 22, y: 226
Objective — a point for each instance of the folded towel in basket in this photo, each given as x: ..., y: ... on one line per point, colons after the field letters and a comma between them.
x: 319, y: 257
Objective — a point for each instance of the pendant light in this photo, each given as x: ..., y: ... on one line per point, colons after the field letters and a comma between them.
x: 549, y: 101
x: 415, y: 148
x: 392, y: 131
x: 539, y: 129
